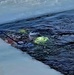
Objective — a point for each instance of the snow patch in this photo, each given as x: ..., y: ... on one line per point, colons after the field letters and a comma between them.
x: 14, y: 62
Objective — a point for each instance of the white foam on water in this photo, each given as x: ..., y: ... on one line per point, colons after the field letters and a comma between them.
x: 11, y: 10
x: 15, y: 62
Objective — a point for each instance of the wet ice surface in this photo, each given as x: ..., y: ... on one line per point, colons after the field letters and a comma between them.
x: 11, y: 10
x: 14, y: 62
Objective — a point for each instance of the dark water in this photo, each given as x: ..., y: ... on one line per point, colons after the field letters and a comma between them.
x: 61, y: 26
x: 63, y: 21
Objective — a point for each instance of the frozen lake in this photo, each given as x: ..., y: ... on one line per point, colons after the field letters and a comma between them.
x: 19, y: 9
x: 13, y: 61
